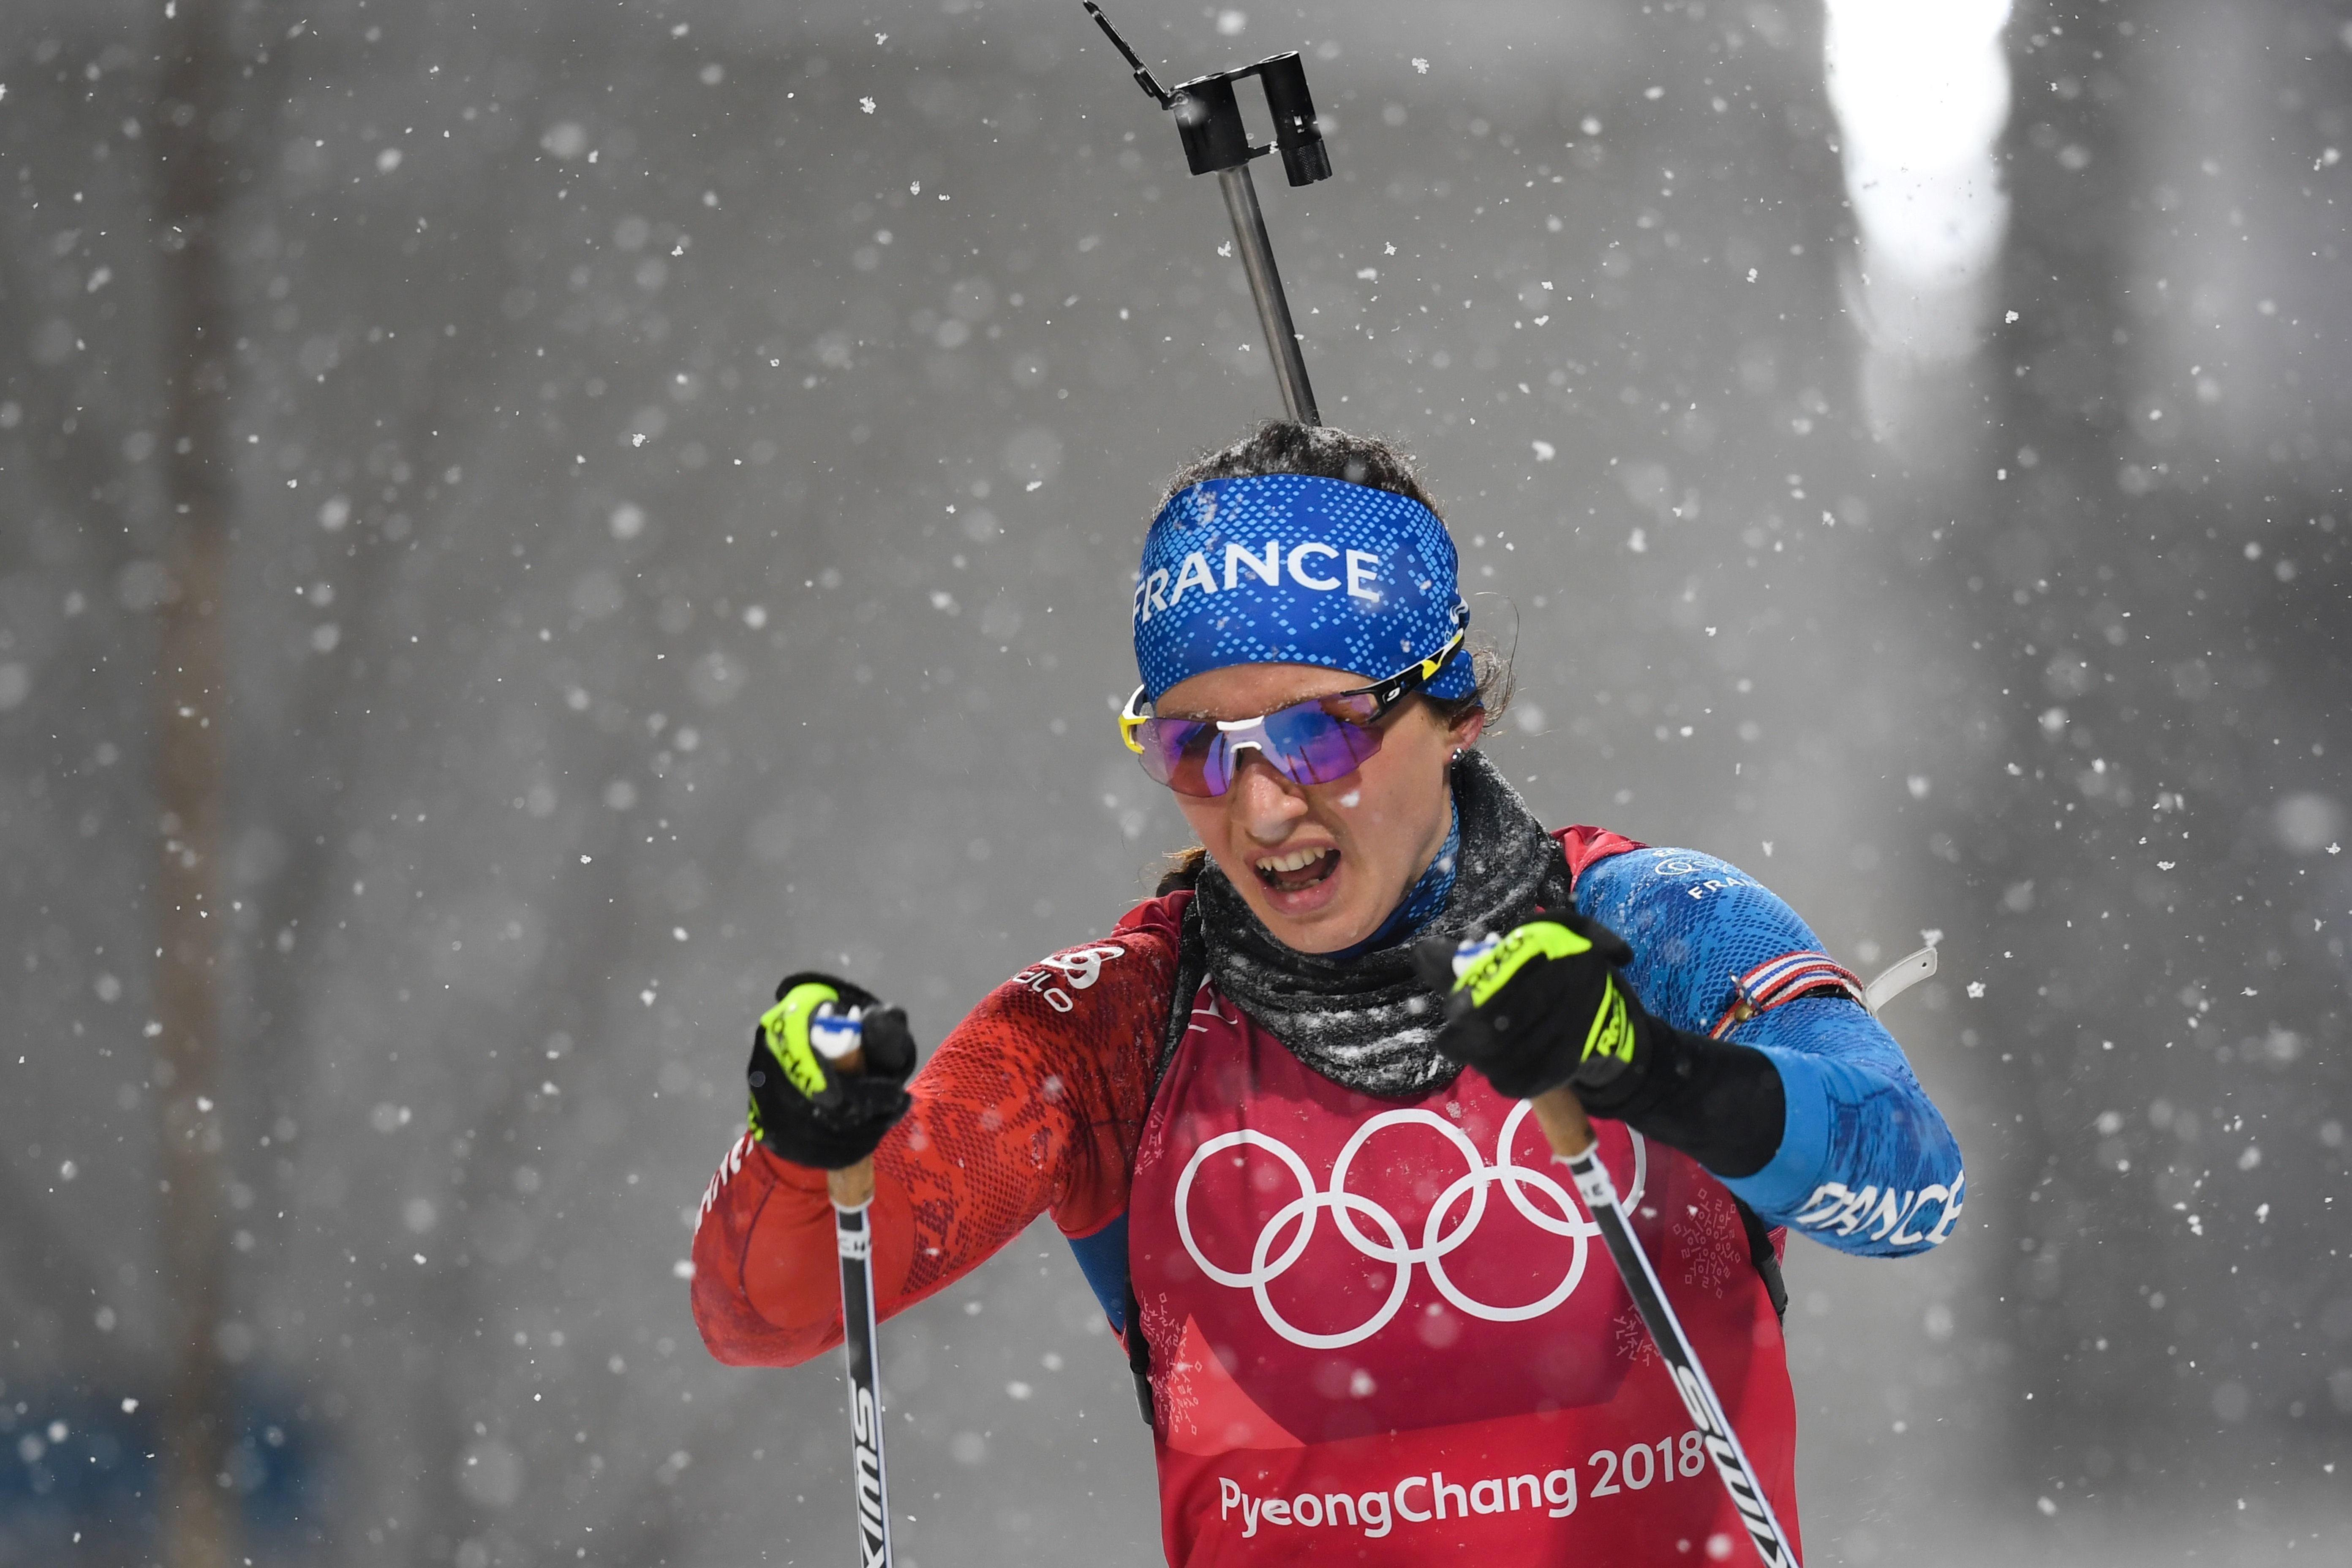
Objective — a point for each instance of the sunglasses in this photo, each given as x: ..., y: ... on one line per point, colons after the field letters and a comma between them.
x: 1316, y: 741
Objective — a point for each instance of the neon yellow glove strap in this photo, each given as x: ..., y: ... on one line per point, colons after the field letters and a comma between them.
x: 785, y: 1027
x: 1537, y: 938
x: 1613, y: 1029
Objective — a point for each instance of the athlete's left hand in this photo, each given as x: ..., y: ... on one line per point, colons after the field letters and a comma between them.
x: 1542, y: 1005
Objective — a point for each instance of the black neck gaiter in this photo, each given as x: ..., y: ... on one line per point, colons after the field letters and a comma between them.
x: 1367, y: 1023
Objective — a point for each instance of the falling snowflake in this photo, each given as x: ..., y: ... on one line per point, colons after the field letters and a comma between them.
x: 867, y: 104
x: 1976, y: 988
x: 1421, y: 64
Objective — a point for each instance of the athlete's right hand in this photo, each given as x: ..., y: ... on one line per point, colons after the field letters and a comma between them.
x: 805, y: 1109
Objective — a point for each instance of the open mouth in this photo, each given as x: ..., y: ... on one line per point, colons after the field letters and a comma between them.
x: 1289, y: 873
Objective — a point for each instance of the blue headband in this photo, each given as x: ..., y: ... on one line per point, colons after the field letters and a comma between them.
x: 1289, y: 569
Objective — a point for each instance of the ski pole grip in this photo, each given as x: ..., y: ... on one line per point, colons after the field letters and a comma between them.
x: 852, y: 1186
x: 1561, y: 1116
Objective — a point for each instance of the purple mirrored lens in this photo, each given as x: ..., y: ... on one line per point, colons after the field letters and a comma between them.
x: 1317, y: 746
x: 1174, y: 750
x: 1305, y: 743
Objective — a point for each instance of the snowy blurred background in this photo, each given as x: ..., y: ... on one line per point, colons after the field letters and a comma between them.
x: 519, y: 524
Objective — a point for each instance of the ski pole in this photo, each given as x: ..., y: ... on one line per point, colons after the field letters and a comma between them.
x: 1562, y: 1118
x: 1209, y: 119
x: 841, y: 1040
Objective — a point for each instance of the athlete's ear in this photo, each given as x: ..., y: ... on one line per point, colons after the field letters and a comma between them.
x: 1466, y: 729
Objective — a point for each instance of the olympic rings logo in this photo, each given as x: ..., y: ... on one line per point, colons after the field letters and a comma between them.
x: 1558, y: 1215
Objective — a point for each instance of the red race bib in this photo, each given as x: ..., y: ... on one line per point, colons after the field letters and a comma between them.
x: 1386, y: 1331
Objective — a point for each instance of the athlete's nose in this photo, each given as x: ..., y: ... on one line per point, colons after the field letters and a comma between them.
x: 1263, y: 805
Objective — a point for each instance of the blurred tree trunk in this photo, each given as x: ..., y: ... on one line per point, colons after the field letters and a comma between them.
x: 190, y: 139
x: 2125, y: 770
x: 2049, y: 858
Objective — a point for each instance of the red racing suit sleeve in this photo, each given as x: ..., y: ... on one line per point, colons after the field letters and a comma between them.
x: 1033, y: 1103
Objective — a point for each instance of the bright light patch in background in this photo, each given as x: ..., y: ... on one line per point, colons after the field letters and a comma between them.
x: 1921, y: 91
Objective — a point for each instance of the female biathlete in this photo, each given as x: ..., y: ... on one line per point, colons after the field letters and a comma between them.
x: 1369, y: 1320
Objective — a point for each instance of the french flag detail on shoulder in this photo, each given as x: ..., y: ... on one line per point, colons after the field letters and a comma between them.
x: 1783, y: 979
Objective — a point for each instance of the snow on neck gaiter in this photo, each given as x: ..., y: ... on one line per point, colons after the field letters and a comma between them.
x: 1367, y: 1022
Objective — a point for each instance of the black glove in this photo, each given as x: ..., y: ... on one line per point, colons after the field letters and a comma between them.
x: 803, y: 1107
x: 1544, y: 1006
x: 1540, y: 1006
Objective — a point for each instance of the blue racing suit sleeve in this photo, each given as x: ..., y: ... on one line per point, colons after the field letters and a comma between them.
x: 1865, y: 1163
x: 1102, y: 1259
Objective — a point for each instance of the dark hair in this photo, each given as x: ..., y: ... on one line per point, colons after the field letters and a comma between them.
x: 1324, y: 451
x: 1319, y: 451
